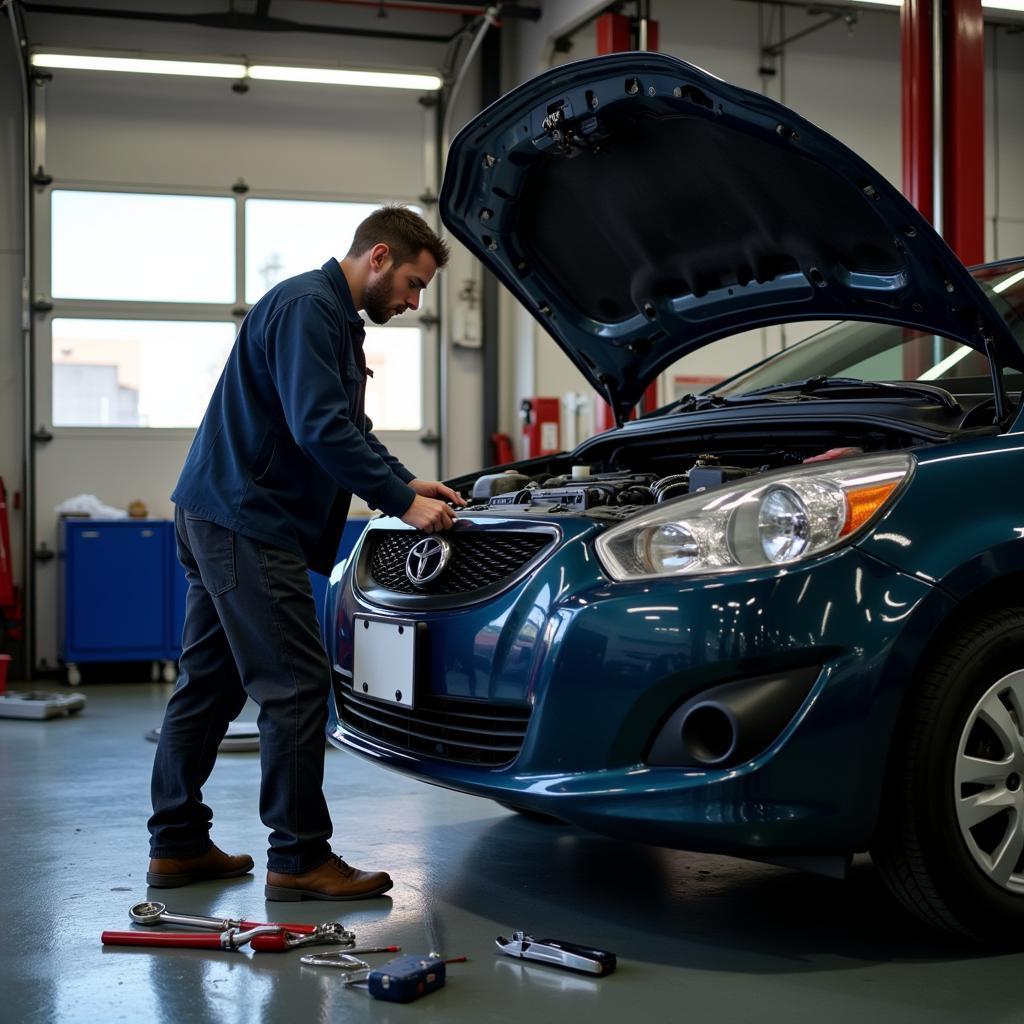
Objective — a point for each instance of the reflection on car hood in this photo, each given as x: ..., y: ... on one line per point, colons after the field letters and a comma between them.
x: 641, y: 208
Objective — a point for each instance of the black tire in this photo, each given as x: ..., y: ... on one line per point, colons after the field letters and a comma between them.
x: 926, y: 848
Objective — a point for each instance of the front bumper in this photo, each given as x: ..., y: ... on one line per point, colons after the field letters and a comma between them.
x: 596, y: 668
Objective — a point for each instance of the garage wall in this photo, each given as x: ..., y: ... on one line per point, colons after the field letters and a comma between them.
x: 155, y: 131
x: 848, y: 81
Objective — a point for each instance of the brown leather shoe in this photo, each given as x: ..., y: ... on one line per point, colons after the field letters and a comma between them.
x: 332, y: 880
x: 171, y: 872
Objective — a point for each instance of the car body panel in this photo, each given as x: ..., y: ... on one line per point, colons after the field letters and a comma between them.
x: 932, y: 533
x: 602, y: 673
x: 641, y: 208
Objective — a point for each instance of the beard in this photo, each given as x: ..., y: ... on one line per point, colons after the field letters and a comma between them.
x: 377, y: 297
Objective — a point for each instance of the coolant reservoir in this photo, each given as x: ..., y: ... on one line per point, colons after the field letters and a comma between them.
x: 581, y: 472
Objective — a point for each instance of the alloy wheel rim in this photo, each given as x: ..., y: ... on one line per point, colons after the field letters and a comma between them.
x: 988, y: 788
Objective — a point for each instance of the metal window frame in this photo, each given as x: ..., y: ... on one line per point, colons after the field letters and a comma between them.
x: 50, y: 308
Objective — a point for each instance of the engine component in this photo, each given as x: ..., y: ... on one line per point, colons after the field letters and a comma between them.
x: 498, y: 483
x: 708, y: 471
x: 670, y: 486
x: 599, y: 489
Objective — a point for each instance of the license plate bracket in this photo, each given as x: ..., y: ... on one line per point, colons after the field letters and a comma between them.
x: 384, y: 659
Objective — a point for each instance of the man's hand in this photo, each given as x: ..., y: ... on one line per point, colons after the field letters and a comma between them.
x: 428, y: 514
x: 433, y: 489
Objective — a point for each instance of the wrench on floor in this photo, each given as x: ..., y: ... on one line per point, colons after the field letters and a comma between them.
x: 151, y: 913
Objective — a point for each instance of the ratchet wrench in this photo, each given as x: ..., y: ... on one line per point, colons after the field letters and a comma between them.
x: 230, y: 938
x: 151, y: 913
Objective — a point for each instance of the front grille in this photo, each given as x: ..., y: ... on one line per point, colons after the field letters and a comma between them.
x: 443, y: 728
x: 479, y: 560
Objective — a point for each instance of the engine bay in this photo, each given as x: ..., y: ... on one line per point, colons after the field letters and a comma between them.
x: 583, y: 490
x: 613, y: 479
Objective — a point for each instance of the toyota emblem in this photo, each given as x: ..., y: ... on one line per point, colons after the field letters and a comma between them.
x: 426, y: 560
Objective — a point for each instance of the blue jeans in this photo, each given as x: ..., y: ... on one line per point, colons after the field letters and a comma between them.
x: 250, y: 630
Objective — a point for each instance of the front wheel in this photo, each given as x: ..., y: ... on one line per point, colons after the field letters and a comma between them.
x: 950, y: 842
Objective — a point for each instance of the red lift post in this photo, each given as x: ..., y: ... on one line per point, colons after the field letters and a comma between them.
x: 958, y: 65
x: 942, y: 63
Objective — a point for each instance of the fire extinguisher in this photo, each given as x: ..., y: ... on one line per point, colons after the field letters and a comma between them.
x: 541, y: 426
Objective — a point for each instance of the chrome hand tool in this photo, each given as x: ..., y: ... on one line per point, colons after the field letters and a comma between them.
x: 568, y: 955
x: 341, y: 960
x: 286, y: 939
x: 231, y: 938
x: 151, y: 913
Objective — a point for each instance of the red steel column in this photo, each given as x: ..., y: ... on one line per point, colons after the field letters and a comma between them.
x: 963, y: 136
x: 916, y: 75
x: 962, y: 69
x: 614, y: 34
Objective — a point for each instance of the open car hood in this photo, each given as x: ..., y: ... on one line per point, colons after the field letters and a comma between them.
x: 641, y: 208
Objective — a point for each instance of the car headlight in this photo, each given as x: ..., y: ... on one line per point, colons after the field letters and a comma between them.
x: 769, y: 519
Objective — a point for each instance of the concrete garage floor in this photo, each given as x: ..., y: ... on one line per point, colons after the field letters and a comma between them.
x: 698, y: 938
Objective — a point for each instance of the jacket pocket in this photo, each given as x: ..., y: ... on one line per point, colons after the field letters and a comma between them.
x: 353, y: 380
x: 264, y: 458
x: 213, y: 548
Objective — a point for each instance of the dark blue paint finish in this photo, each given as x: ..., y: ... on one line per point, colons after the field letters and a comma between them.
x: 604, y: 675
x: 961, y: 524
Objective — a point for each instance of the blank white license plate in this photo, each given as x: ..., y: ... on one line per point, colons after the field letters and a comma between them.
x: 384, y: 659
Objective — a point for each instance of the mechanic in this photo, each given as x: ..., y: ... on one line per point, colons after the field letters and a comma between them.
x: 263, y: 494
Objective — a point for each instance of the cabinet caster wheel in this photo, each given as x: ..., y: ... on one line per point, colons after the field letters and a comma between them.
x: 170, y: 672
x: 74, y: 675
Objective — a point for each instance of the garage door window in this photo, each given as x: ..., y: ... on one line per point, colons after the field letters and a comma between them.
x: 147, y: 302
x: 135, y: 373
x: 284, y: 237
x: 142, y: 247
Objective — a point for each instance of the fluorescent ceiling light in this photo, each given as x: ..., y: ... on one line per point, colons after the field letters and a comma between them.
x: 207, y: 69
x: 83, y: 62
x: 1009, y: 282
x: 947, y: 364
x: 336, y: 76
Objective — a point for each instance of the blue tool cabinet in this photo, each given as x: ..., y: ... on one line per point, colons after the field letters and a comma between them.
x: 115, y: 594
x: 122, y: 592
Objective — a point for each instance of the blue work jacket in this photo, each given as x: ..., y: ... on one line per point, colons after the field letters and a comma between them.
x: 285, y: 441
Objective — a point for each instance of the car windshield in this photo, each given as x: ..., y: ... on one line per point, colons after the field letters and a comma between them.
x: 882, y: 352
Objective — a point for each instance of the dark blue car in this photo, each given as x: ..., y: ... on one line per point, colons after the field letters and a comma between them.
x: 783, y: 619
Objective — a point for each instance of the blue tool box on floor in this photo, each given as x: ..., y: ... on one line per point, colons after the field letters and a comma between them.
x: 122, y: 590
x: 115, y: 590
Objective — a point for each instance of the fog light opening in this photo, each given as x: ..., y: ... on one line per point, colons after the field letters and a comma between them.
x: 708, y: 733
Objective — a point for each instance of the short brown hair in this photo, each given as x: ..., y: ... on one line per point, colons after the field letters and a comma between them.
x: 406, y: 233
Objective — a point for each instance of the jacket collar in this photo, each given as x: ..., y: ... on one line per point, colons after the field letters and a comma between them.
x: 337, y: 279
